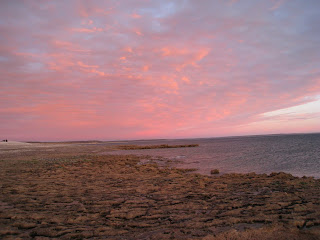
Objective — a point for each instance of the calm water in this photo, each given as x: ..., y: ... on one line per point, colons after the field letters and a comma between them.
x: 295, y: 154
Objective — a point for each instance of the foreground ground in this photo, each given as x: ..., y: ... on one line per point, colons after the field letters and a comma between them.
x: 71, y: 191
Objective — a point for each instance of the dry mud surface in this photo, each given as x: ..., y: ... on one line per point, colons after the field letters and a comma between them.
x: 71, y: 192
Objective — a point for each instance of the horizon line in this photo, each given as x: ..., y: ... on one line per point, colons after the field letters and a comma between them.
x: 155, y: 139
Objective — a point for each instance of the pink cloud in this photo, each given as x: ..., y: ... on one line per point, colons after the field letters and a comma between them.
x: 81, y: 64
x: 87, y: 30
x: 185, y: 79
x: 136, y: 16
x: 138, y: 69
x: 277, y: 4
x: 68, y: 46
x: 138, y: 32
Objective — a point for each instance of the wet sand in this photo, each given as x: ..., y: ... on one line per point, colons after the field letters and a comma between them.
x: 72, y: 191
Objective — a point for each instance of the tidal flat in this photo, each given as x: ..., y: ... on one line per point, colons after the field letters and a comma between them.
x: 78, y: 191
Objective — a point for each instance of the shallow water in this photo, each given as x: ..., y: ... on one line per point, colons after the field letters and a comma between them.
x: 298, y: 154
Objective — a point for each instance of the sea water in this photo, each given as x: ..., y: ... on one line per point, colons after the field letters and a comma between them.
x: 298, y: 154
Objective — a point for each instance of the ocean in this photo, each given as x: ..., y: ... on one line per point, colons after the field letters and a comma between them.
x: 298, y: 154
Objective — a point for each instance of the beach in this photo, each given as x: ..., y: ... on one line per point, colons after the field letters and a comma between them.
x: 79, y: 191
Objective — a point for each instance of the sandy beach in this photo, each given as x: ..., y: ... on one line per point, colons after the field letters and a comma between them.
x: 73, y: 191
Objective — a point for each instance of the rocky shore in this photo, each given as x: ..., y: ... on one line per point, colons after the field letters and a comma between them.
x: 71, y: 194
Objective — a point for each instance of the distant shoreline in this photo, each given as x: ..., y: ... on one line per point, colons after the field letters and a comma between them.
x: 164, y: 139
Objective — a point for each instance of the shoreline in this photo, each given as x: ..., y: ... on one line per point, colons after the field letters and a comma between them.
x: 178, y: 163
x: 72, y: 192
x: 157, y: 150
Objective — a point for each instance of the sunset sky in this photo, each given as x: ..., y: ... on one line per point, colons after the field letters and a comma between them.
x: 140, y: 69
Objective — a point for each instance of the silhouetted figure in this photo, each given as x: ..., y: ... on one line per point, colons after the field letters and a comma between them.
x: 6, y: 140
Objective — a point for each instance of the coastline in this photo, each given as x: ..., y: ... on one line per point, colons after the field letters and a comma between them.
x: 70, y: 191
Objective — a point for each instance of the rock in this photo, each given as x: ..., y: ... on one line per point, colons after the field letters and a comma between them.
x: 136, y: 213
x: 215, y: 171
x: 112, y: 197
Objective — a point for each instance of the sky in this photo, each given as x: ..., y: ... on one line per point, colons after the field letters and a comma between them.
x: 144, y: 69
